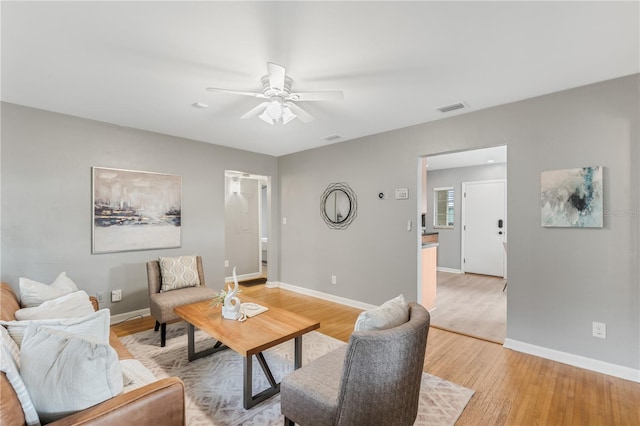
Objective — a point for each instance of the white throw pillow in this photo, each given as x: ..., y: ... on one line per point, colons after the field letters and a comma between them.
x: 10, y: 368
x: 178, y: 272
x: 65, y: 373
x: 390, y: 314
x: 94, y: 326
x: 72, y: 305
x: 10, y: 345
x: 34, y: 293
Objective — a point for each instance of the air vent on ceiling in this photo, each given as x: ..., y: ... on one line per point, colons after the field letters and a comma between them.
x: 452, y: 107
x: 331, y: 138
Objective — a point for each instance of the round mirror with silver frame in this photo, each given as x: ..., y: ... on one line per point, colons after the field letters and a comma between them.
x: 338, y: 205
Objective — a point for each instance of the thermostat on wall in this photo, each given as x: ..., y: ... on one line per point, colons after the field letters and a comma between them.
x: 402, y: 193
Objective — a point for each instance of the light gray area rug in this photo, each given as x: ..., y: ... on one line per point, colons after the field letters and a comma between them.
x: 214, y: 383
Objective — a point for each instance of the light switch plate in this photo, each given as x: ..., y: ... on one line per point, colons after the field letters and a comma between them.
x: 402, y: 193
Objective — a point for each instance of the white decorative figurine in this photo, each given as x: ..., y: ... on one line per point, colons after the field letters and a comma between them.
x: 231, y: 305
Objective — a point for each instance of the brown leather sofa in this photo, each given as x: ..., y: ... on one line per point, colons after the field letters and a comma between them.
x: 158, y: 403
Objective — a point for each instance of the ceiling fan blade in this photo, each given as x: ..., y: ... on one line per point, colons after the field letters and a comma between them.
x: 276, y: 76
x: 302, y: 115
x: 335, y: 95
x: 255, y: 111
x: 237, y: 92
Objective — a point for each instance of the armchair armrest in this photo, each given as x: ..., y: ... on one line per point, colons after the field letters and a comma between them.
x: 158, y: 403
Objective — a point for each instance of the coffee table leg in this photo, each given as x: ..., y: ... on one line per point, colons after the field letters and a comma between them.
x: 266, y: 370
x: 191, y: 345
x: 297, y: 357
x: 247, y: 400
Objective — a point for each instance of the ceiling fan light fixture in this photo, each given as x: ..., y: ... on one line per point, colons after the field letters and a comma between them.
x: 279, y: 104
x: 266, y: 117
x: 287, y: 115
x: 274, y: 109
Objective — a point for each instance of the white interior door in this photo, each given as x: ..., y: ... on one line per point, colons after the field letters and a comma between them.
x: 242, y: 227
x: 484, y: 227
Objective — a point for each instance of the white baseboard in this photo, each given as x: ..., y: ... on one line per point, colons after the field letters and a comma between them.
x: 451, y: 270
x: 118, y: 318
x: 575, y: 360
x: 243, y: 277
x: 326, y: 296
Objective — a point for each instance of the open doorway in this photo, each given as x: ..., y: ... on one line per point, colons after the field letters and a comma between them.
x: 246, y: 225
x: 465, y: 302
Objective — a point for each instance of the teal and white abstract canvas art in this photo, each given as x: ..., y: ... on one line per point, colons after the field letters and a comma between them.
x: 572, y: 198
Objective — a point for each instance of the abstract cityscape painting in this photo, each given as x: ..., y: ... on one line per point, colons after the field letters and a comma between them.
x: 572, y: 198
x: 135, y: 210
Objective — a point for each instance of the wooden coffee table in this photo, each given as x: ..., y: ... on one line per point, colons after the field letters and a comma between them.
x: 247, y: 338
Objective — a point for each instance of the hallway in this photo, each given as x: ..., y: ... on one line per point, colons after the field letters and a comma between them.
x: 471, y: 304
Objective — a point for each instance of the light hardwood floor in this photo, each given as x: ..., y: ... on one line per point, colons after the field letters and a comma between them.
x: 471, y: 304
x: 511, y: 388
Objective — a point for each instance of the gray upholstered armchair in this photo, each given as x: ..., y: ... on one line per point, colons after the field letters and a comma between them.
x: 374, y: 380
x: 161, y: 304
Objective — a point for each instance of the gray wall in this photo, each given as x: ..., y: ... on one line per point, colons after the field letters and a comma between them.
x: 372, y: 256
x: 46, y: 199
x: 560, y: 280
x: 449, y: 250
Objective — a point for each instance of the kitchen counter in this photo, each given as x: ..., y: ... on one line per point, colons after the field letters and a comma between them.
x: 429, y: 238
x: 429, y: 276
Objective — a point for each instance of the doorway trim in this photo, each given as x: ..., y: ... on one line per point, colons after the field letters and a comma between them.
x: 423, y: 199
x: 261, y: 179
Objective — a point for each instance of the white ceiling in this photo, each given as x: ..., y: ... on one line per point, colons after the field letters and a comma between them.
x: 143, y: 64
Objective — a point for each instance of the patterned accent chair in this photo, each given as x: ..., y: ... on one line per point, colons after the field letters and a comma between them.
x: 161, y: 304
x: 374, y: 380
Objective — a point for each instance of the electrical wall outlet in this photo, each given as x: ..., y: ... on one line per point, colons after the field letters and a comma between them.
x: 116, y: 295
x: 100, y: 296
x: 333, y: 279
x: 600, y: 330
x: 226, y: 263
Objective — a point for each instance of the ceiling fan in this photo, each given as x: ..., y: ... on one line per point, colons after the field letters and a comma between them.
x: 280, y: 101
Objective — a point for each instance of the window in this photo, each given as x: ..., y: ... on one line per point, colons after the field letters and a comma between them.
x: 443, y: 207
